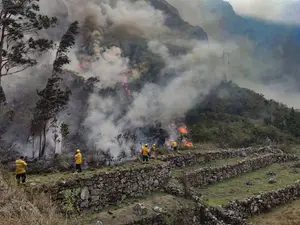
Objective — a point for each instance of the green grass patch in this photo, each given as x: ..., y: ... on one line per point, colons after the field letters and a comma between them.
x: 54, y: 177
x: 236, y: 188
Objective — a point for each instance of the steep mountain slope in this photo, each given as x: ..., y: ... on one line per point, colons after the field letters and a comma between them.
x: 133, y: 82
x: 272, y: 40
x: 174, y: 21
x: 235, y: 116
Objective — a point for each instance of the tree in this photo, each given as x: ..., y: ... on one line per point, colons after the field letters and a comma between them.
x: 20, y: 44
x: 53, y: 98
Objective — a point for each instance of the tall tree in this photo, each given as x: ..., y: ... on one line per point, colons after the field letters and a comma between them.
x: 53, y: 98
x: 20, y: 44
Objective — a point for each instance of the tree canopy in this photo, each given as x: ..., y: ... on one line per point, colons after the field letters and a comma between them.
x: 20, y: 36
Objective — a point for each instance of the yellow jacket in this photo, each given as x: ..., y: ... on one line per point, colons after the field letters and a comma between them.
x: 145, y: 151
x: 78, y: 158
x: 174, y: 144
x: 20, y: 166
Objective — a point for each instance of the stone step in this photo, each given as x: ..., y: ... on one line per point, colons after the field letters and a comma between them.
x: 178, y: 172
x: 196, y: 157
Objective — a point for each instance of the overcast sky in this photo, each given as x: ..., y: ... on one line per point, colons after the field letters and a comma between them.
x: 276, y: 10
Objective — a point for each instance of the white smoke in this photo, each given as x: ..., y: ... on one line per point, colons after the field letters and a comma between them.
x: 279, y: 11
x: 198, y: 71
x: 194, y: 73
x: 272, y: 10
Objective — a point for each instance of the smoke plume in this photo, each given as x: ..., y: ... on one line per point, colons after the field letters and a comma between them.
x: 99, y: 54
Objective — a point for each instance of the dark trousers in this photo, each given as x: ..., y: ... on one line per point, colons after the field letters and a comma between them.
x: 78, y: 168
x: 21, y: 176
x: 175, y: 148
x: 145, y: 158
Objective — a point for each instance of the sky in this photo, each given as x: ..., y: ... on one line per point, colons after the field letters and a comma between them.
x: 286, y: 11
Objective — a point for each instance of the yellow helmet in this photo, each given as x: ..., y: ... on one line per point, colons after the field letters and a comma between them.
x: 146, y: 145
x: 154, y: 145
x: 78, y: 150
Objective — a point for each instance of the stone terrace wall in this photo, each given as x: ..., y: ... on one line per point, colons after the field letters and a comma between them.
x: 192, y: 158
x: 186, y: 216
x: 109, y: 188
x: 264, y: 202
x: 205, y: 176
x: 199, y: 215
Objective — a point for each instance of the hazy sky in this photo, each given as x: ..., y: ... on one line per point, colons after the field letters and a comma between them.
x: 277, y: 10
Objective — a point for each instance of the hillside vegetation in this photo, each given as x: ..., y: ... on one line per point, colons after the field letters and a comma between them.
x: 232, y: 116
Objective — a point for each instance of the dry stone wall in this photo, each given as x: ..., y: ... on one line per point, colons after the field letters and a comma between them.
x: 264, y: 202
x: 205, y: 176
x: 186, y: 216
x: 190, y: 159
x: 109, y: 188
x: 103, y: 189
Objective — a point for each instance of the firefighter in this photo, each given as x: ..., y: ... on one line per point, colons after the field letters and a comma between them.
x: 145, y: 153
x: 78, y: 161
x: 153, y: 150
x: 20, y: 170
x: 174, y: 145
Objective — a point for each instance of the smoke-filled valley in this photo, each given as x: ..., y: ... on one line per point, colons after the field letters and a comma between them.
x: 138, y: 71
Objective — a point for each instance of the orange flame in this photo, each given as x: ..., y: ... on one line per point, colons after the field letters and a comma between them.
x: 188, y: 144
x: 182, y: 130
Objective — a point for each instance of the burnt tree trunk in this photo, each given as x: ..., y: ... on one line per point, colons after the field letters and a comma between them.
x: 44, y: 140
x: 2, y: 96
x: 40, y: 145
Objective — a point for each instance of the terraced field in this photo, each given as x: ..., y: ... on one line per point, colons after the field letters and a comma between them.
x: 249, y: 184
x: 175, y: 189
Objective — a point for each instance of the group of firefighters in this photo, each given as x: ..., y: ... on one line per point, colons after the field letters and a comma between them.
x: 145, y: 153
x: 21, y: 165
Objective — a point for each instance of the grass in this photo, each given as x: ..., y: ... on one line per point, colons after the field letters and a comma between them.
x: 17, y: 208
x: 180, y: 171
x: 236, y: 188
x: 54, y: 177
x: 285, y: 215
x: 50, y: 178
x: 124, y: 212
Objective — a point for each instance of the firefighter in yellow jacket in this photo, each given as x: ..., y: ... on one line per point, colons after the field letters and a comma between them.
x: 20, y: 170
x: 145, y: 153
x: 78, y: 161
x: 174, y: 145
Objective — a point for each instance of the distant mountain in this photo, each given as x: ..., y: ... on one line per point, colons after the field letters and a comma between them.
x: 175, y: 22
x: 280, y: 41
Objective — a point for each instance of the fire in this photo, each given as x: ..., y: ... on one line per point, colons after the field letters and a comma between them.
x: 188, y: 144
x: 124, y: 83
x: 182, y: 130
